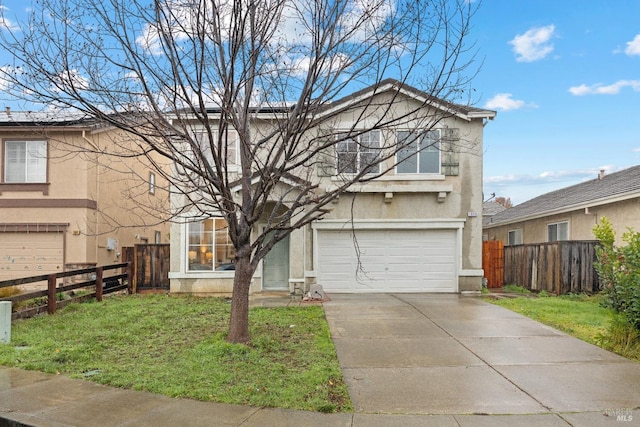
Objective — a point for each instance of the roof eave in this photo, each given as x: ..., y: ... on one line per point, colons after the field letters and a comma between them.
x: 565, y: 209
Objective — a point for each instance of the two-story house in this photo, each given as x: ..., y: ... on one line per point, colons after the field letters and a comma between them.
x: 416, y: 228
x: 66, y: 205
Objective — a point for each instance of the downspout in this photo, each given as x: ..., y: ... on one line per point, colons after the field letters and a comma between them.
x: 97, y: 187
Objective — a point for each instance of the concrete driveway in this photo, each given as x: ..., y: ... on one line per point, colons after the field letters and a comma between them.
x: 461, y: 359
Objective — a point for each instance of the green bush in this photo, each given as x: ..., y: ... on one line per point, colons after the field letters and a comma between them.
x: 619, y: 270
x: 621, y: 338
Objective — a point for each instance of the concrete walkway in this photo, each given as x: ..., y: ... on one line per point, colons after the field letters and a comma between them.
x: 408, y: 359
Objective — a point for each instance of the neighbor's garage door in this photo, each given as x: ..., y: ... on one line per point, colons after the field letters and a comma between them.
x: 30, y: 254
x: 392, y: 260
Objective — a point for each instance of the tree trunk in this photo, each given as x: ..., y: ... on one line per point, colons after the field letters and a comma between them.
x: 239, y: 320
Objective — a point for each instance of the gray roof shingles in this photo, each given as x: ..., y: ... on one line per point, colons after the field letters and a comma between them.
x: 596, y: 191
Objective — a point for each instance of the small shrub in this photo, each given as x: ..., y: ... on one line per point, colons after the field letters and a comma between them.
x: 543, y: 294
x: 9, y: 292
x: 619, y: 270
x: 621, y: 338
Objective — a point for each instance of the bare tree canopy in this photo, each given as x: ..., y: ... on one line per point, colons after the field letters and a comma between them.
x: 183, y: 77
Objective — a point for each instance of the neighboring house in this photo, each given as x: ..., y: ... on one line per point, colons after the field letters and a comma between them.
x: 418, y: 227
x: 571, y: 213
x: 62, y: 205
x: 489, y: 209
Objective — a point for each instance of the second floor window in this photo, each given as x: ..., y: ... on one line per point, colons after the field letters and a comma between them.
x: 358, y: 153
x: 231, y: 144
x: 25, y: 161
x: 152, y: 183
x: 419, y: 152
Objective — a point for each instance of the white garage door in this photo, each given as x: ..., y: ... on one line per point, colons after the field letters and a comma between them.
x: 391, y: 260
x: 30, y: 254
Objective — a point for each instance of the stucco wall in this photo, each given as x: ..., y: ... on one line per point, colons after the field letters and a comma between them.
x: 95, y: 195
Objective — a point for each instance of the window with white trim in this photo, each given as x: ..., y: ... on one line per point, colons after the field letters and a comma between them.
x: 515, y: 237
x: 358, y: 153
x: 152, y: 183
x: 209, y: 246
x: 25, y: 162
x: 419, y: 152
x: 558, y: 231
x: 230, y: 142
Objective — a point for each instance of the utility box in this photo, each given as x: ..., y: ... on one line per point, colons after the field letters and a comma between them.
x: 5, y: 322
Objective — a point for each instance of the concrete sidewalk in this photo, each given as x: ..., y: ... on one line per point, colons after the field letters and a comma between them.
x: 408, y: 359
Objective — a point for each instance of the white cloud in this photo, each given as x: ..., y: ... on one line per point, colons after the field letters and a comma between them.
x: 71, y: 80
x: 534, y: 44
x: 600, y: 89
x: 5, y: 81
x: 633, y: 47
x: 7, y: 24
x: 292, y: 19
x: 504, y: 102
x: 521, y: 188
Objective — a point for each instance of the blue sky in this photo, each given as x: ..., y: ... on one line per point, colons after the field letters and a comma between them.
x: 564, y: 77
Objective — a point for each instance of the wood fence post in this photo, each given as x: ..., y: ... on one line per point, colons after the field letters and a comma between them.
x: 99, y: 286
x: 130, y: 277
x: 51, y: 294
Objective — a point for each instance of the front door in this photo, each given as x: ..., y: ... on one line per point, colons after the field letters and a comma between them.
x: 275, y: 267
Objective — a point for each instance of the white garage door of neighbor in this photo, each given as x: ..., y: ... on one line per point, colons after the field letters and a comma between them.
x: 30, y: 254
x: 392, y: 260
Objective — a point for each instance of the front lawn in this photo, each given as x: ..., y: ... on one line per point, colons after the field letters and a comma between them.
x: 581, y: 316
x: 175, y: 346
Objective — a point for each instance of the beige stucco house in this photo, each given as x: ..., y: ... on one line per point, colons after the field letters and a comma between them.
x: 418, y: 227
x: 570, y: 213
x: 65, y: 206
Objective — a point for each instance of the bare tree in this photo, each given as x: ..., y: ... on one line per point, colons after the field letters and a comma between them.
x: 272, y: 71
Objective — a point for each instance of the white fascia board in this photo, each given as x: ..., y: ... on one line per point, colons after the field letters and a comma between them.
x: 213, y: 117
x: 484, y: 114
x: 436, y: 105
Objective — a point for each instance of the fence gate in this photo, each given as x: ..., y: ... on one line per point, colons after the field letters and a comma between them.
x: 493, y: 262
x: 150, y: 266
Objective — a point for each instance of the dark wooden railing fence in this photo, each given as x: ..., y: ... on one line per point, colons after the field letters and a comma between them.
x: 99, y: 284
x: 557, y: 267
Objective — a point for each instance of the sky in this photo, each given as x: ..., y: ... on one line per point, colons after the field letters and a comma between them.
x: 564, y: 77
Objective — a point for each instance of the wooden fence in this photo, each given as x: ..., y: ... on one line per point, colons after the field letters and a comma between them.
x: 558, y: 267
x: 493, y: 263
x: 150, y: 264
x: 94, y: 280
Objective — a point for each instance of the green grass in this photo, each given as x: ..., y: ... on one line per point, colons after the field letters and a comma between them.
x: 581, y: 316
x: 516, y: 289
x: 176, y: 346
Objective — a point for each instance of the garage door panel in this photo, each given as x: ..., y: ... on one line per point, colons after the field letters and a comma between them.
x: 397, y: 260
x: 30, y: 254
